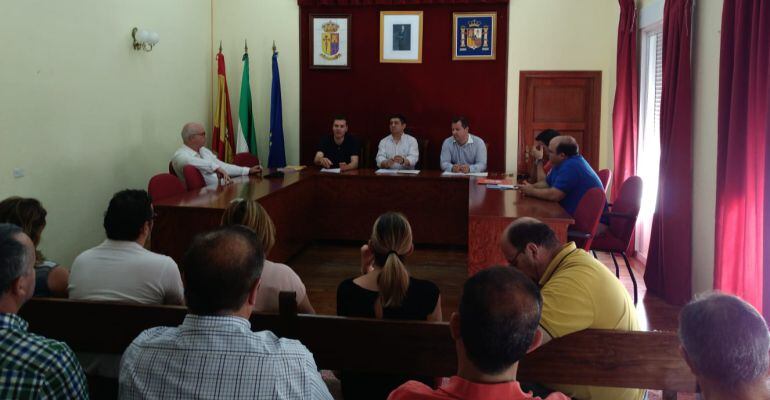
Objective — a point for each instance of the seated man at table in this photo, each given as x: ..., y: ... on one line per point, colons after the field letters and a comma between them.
x: 214, y: 354
x: 541, y: 164
x: 725, y: 342
x: 570, y: 178
x: 463, y: 152
x: 578, y: 293
x: 338, y: 150
x: 397, y: 150
x: 495, y: 325
x: 194, y: 152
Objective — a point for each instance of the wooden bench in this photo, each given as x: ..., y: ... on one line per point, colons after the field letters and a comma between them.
x: 648, y: 360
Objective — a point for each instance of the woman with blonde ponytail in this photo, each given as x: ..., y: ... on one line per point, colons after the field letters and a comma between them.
x: 385, y: 290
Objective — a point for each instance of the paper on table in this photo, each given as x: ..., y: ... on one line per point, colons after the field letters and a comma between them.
x: 449, y: 173
x: 408, y: 171
x: 502, y: 187
x: 385, y: 171
x: 331, y: 170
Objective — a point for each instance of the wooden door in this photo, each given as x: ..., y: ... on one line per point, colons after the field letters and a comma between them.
x: 567, y: 101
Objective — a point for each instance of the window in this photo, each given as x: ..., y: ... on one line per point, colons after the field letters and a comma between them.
x: 648, y: 157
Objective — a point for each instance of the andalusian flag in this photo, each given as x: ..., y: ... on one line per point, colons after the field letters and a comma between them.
x: 277, y: 156
x: 222, y: 141
x: 247, y: 138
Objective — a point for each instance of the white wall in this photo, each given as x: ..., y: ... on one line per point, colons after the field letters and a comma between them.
x: 260, y: 22
x: 707, y: 23
x: 562, y: 35
x: 84, y: 114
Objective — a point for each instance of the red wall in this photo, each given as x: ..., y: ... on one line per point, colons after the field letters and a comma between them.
x: 428, y: 94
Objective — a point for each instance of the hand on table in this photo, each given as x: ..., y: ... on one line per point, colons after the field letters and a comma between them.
x: 223, y: 178
x: 344, y: 166
x: 255, y: 169
x: 399, y: 159
x: 326, y: 163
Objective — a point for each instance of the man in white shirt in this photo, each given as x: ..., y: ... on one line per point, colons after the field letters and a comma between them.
x: 120, y: 268
x: 214, y: 354
x: 397, y: 150
x: 194, y: 152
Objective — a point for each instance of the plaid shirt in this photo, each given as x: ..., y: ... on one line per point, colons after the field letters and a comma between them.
x: 35, y: 367
x: 218, y: 357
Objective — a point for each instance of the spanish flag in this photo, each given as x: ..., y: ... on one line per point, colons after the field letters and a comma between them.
x: 222, y: 140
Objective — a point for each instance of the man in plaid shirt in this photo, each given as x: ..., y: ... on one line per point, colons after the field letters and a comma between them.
x: 214, y: 354
x: 31, y: 366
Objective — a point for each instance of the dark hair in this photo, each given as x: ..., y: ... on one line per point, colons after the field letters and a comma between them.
x: 499, y: 313
x: 399, y: 116
x: 462, y: 120
x: 725, y: 338
x: 13, y: 256
x: 568, y: 148
x: 220, y: 268
x: 340, y: 117
x: 28, y: 214
x: 127, y: 213
x: 530, y: 230
x: 546, y: 136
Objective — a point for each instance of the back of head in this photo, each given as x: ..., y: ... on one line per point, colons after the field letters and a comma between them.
x: 546, y: 136
x: 13, y: 256
x: 26, y: 213
x: 566, y: 145
x: 251, y: 214
x: 499, y: 314
x: 726, y: 339
x: 530, y: 230
x: 390, y: 243
x: 220, y: 268
x: 127, y: 213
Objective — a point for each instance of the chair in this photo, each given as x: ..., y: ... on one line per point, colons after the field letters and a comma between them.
x: 164, y: 185
x: 587, y: 215
x: 245, y: 160
x: 171, y: 169
x: 193, y: 178
x: 422, y: 162
x: 605, y: 175
x: 621, y: 220
x: 365, y: 159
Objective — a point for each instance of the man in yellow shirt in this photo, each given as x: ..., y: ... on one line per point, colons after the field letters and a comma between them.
x: 578, y: 293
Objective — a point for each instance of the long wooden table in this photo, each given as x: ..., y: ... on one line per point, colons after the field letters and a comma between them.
x: 311, y: 205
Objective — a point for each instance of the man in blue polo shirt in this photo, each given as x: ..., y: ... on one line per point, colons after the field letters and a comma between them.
x: 570, y: 178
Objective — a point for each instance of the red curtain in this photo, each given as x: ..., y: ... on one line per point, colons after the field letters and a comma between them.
x: 669, y: 262
x: 744, y: 79
x: 625, y: 114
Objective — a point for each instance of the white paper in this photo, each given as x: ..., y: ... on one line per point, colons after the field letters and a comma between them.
x: 502, y: 187
x: 386, y: 171
x: 449, y: 173
x: 331, y: 170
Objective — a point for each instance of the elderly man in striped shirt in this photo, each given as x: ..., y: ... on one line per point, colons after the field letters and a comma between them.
x: 214, y: 354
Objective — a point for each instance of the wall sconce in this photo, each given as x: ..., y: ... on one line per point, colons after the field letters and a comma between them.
x: 144, y: 39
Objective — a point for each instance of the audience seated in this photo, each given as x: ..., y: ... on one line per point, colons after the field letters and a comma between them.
x: 578, y: 293
x: 33, y: 367
x: 570, y: 178
x: 194, y: 152
x: 541, y: 157
x: 494, y: 327
x: 120, y: 268
x: 50, y: 278
x: 275, y: 277
x: 725, y: 342
x: 214, y: 354
x: 385, y: 290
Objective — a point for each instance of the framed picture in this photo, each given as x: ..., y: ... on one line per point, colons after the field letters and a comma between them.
x: 329, y: 41
x: 473, y: 36
x: 401, y: 36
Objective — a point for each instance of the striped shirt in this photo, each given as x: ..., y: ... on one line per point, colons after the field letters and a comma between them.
x: 35, y: 367
x: 473, y: 153
x: 218, y: 357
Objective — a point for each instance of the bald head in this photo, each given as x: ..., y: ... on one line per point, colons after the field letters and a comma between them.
x: 561, y: 148
x: 194, y: 135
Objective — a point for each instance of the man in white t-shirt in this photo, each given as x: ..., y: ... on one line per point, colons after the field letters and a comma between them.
x: 120, y: 268
x: 194, y: 152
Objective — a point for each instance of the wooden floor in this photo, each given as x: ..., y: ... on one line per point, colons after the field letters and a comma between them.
x: 323, y: 266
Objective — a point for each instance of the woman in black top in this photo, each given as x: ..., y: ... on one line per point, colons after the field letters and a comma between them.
x: 385, y: 290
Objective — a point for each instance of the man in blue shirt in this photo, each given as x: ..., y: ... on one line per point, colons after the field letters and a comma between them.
x: 570, y: 178
x: 463, y: 152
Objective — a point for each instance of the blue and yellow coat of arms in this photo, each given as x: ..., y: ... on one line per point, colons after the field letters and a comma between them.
x: 330, y: 41
x: 474, y: 36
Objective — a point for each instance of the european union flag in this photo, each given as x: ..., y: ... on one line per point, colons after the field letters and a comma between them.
x: 277, y: 155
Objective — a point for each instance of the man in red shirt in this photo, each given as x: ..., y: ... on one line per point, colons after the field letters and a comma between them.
x: 495, y: 326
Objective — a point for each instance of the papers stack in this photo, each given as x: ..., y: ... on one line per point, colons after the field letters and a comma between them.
x: 331, y: 170
x: 480, y: 174
x: 397, y: 171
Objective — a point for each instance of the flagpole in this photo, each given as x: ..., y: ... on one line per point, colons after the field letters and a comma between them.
x: 245, y: 46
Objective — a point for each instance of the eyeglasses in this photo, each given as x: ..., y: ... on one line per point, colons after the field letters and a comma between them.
x: 512, y: 262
